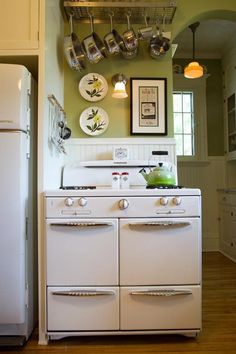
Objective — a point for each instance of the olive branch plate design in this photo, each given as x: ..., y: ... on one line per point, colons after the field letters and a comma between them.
x: 93, y: 87
x: 94, y: 120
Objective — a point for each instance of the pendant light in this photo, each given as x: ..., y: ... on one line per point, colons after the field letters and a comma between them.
x: 193, y: 70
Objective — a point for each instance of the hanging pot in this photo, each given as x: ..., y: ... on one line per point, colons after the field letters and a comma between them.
x: 110, y: 39
x: 159, y: 44
x: 73, y: 50
x: 93, y: 45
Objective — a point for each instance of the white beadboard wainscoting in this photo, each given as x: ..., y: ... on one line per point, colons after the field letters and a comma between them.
x: 208, y: 176
x: 102, y: 149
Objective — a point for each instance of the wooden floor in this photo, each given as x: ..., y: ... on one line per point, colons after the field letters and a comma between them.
x: 219, y: 324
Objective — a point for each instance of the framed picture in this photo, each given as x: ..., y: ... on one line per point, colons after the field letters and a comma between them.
x: 148, y: 106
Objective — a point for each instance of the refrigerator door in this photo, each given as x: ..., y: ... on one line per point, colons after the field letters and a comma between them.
x: 15, y: 88
x: 13, y: 225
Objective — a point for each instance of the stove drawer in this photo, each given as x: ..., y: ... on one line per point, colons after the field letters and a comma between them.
x: 160, y: 308
x: 160, y: 251
x: 82, y: 309
x: 82, y: 252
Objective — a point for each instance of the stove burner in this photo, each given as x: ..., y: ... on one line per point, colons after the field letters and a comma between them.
x: 164, y: 186
x: 77, y: 187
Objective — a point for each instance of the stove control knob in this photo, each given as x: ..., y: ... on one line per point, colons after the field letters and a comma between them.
x: 82, y: 202
x: 163, y: 201
x: 69, y: 202
x: 123, y: 204
x: 176, y: 200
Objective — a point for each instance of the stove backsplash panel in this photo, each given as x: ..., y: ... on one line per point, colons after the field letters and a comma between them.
x: 81, y: 151
x: 102, y: 149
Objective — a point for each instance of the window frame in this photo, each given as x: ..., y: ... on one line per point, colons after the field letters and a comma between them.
x: 198, y: 87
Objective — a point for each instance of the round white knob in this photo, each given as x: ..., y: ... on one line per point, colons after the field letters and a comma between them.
x: 176, y: 200
x: 163, y: 201
x: 123, y: 204
x: 82, y: 201
x: 69, y: 202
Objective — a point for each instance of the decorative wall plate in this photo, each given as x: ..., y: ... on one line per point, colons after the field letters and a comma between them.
x: 94, y: 120
x: 93, y: 87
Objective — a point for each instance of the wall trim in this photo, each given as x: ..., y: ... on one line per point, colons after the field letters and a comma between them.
x: 121, y: 141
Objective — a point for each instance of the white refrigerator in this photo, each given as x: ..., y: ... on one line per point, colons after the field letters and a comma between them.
x: 18, y: 236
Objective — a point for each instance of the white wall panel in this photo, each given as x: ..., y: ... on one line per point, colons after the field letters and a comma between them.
x: 208, y: 177
x: 102, y: 149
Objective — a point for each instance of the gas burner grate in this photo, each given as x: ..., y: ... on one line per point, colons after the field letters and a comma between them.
x: 164, y: 186
x: 77, y: 187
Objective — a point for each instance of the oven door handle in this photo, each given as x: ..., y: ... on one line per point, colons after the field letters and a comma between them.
x: 83, y: 293
x: 162, y: 223
x: 82, y: 224
x: 162, y: 292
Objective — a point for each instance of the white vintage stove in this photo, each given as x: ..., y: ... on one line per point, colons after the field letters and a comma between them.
x: 124, y: 261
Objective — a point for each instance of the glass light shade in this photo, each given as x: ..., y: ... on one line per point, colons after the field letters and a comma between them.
x: 193, y: 70
x: 119, y: 90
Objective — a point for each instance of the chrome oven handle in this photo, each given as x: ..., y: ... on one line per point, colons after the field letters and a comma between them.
x: 162, y: 292
x: 83, y: 293
x: 162, y: 223
x: 82, y: 224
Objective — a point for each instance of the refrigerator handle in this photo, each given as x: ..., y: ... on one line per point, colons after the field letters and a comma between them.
x: 28, y: 147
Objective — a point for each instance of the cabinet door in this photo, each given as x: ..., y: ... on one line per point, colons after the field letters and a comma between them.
x: 228, y: 229
x: 19, y: 24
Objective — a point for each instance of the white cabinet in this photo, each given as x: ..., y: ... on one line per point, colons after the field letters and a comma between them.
x: 230, y: 102
x: 19, y: 24
x: 227, y: 209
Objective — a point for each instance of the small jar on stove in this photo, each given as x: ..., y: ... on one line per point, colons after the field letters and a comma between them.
x: 115, y: 182
x: 124, y: 180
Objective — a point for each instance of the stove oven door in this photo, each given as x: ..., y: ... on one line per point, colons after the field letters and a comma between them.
x: 82, y: 252
x: 82, y: 308
x: 161, y: 308
x: 160, y: 251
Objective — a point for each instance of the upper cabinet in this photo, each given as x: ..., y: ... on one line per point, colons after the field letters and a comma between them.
x: 19, y: 24
x: 230, y: 102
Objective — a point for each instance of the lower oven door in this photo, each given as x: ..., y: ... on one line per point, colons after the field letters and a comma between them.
x: 82, y: 252
x: 82, y: 309
x: 160, y: 251
x: 160, y: 308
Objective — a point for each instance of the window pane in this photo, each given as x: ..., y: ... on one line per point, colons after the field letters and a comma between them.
x: 179, y: 144
x: 178, y: 123
x: 187, y: 100
x: 177, y: 102
x: 188, y: 145
x: 184, y: 122
x: 187, y: 118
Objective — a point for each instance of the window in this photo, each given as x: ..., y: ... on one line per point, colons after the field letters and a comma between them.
x: 189, y: 114
x: 184, y: 123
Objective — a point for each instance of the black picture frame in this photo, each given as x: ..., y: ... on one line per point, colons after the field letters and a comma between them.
x: 148, y: 106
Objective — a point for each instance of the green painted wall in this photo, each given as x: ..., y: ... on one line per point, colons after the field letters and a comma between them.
x: 142, y: 66
x: 118, y: 109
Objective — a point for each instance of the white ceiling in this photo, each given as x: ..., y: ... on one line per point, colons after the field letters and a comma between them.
x: 212, y: 39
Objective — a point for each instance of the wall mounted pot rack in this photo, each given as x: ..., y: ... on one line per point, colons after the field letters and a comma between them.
x: 154, y: 10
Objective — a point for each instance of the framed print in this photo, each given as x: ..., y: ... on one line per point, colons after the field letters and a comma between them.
x: 148, y: 106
